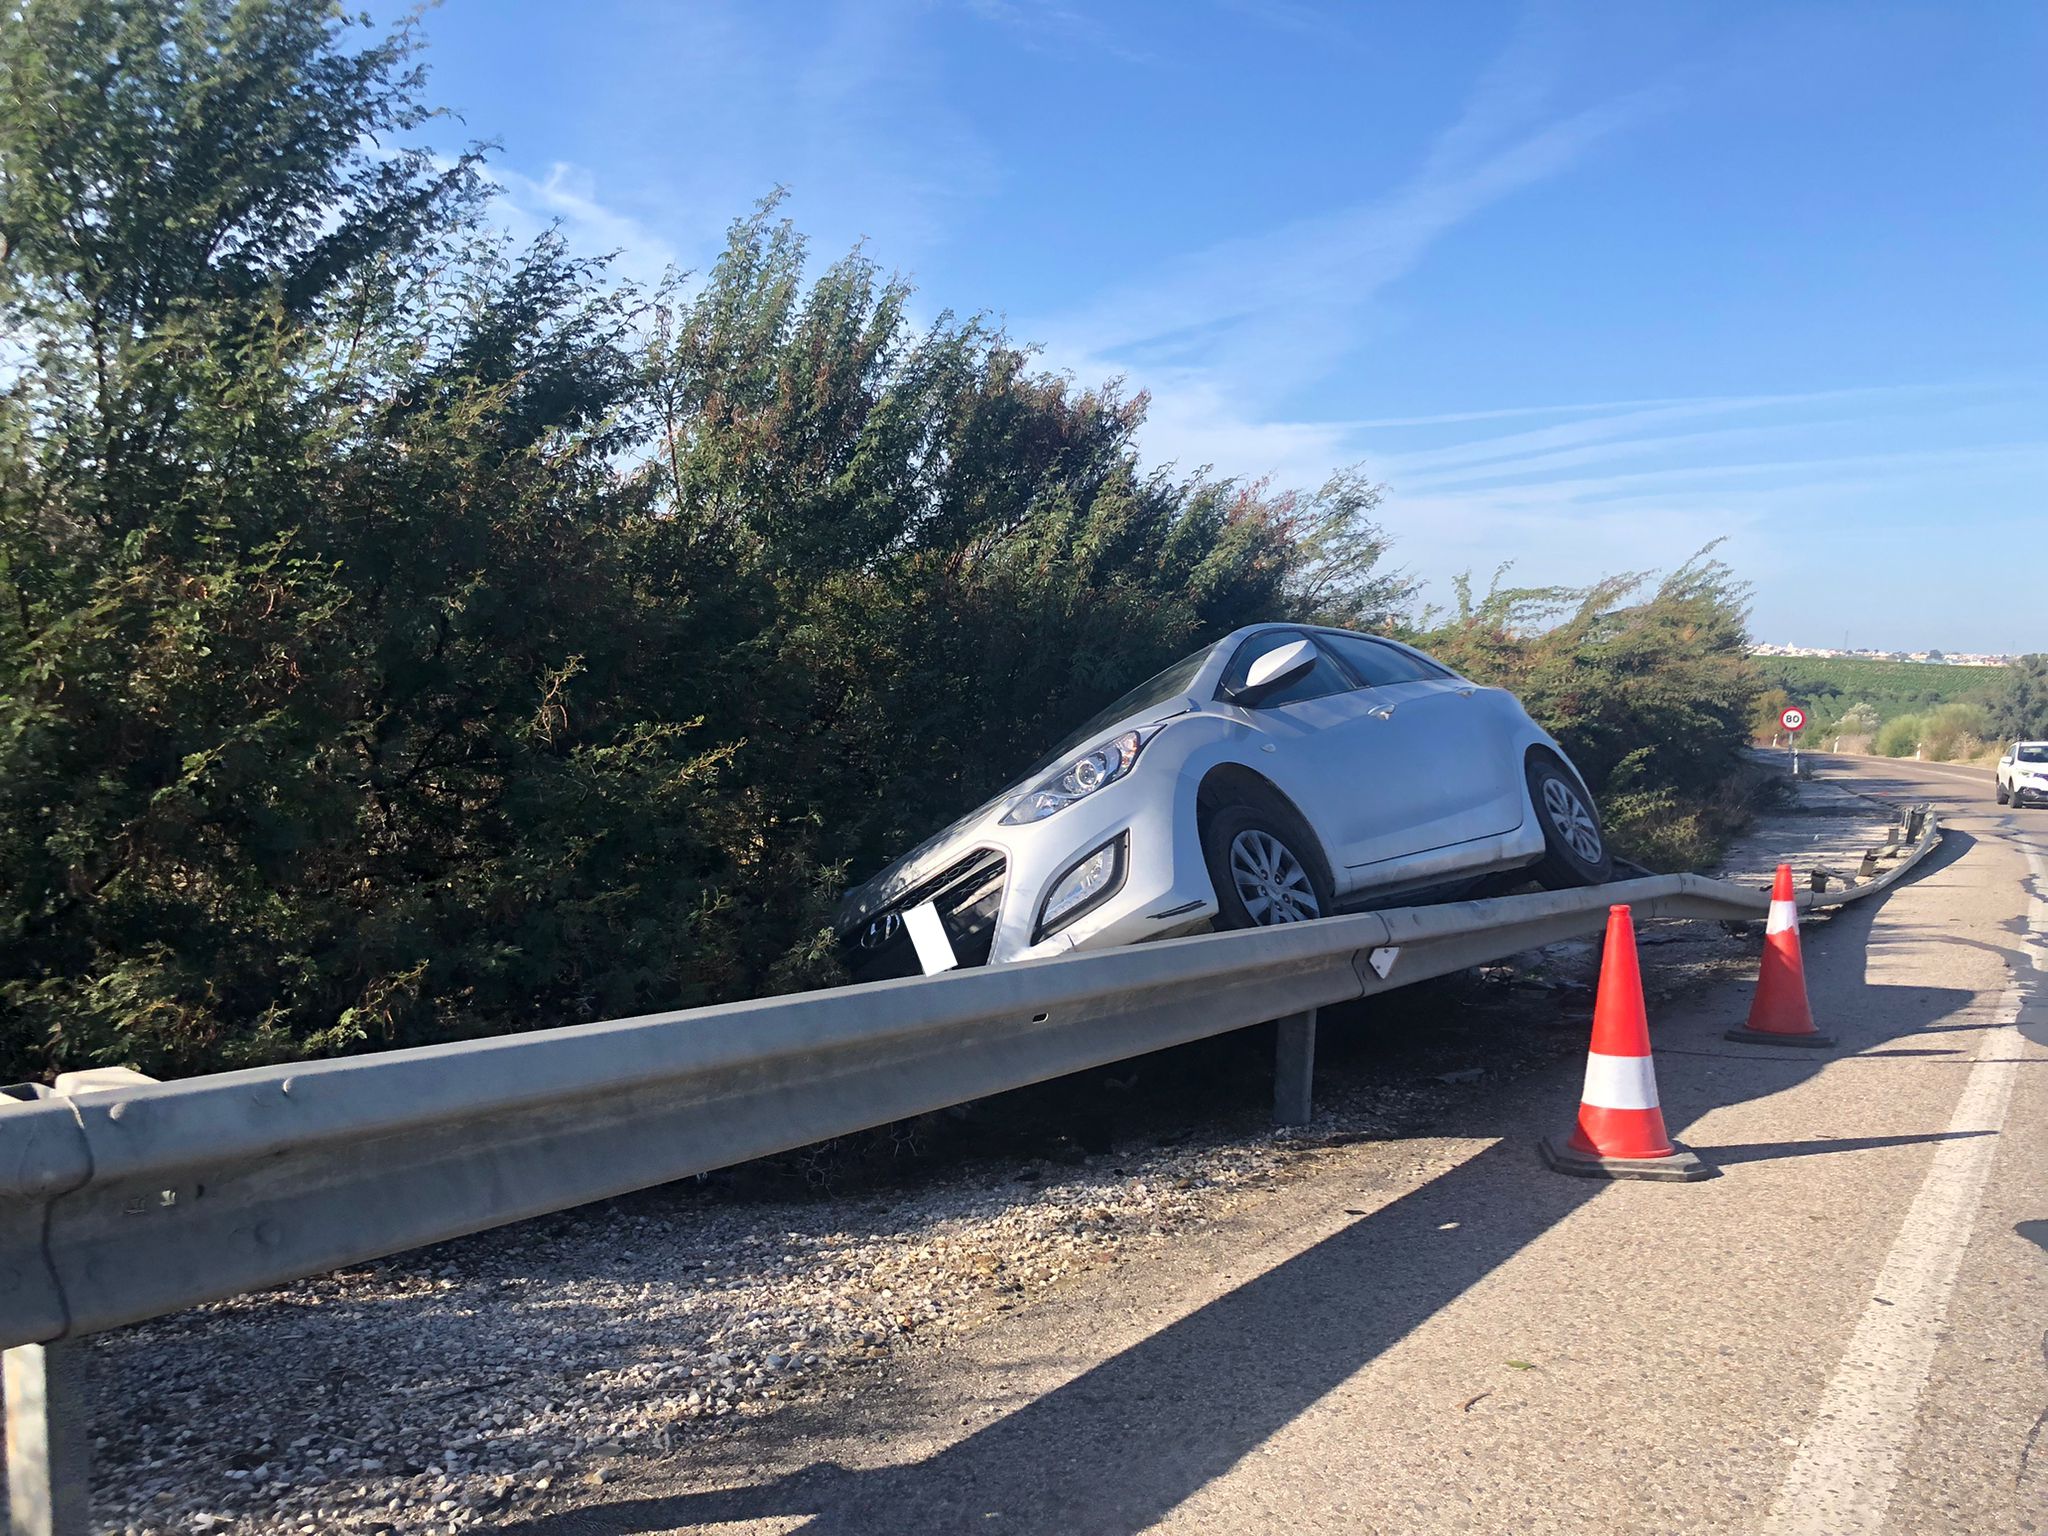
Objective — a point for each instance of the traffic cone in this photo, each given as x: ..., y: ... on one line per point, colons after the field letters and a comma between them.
x: 1620, y: 1134
x: 1780, y: 1015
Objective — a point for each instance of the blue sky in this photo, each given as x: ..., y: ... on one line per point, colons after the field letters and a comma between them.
x: 1585, y: 286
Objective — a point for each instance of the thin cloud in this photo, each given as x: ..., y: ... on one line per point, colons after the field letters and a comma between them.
x: 1258, y: 297
x: 1047, y: 26
x: 567, y: 197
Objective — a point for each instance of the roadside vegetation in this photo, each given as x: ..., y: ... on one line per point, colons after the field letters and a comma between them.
x: 2016, y: 710
x: 2019, y: 710
x: 1646, y: 683
x: 406, y: 635
x: 1892, y: 708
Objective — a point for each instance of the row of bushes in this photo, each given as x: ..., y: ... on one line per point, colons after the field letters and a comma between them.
x: 1950, y: 734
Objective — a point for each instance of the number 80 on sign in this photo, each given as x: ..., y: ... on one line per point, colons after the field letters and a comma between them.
x: 1794, y: 719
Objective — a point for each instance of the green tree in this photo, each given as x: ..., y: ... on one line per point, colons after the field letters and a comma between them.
x: 2019, y: 711
x: 311, y: 674
x: 1767, y: 720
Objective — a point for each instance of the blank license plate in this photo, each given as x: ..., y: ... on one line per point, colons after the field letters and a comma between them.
x: 934, y: 949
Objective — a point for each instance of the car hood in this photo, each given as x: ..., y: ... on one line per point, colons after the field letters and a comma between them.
x: 979, y: 827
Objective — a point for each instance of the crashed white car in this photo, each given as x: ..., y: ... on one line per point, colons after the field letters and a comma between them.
x: 2023, y: 774
x: 1283, y: 773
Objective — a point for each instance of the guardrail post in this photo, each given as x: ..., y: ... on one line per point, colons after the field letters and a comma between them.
x: 1916, y: 819
x: 49, y: 1439
x: 1294, y: 1069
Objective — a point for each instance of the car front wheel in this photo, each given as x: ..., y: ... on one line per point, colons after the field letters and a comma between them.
x: 1574, y: 847
x: 1264, y: 867
x: 2001, y: 794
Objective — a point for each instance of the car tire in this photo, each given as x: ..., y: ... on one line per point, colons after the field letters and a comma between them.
x: 1265, y: 866
x: 1575, y: 848
x: 2002, y: 795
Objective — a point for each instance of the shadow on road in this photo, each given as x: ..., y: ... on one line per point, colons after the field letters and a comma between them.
x: 1122, y: 1444
x: 1117, y: 1448
x: 1768, y: 1151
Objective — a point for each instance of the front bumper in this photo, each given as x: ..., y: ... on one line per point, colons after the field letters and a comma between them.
x: 2029, y: 794
x: 968, y: 896
x: 989, y: 900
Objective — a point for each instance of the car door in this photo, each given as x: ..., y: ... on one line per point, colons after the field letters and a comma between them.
x: 1321, y: 737
x: 1455, y: 774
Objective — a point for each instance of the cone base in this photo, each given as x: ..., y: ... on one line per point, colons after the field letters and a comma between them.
x: 1682, y: 1166
x: 1743, y: 1035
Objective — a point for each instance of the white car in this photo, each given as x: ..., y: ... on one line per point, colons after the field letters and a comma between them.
x: 2023, y: 774
x: 1283, y: 773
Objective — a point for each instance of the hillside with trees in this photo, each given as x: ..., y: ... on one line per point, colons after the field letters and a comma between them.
x: 408, y: 635
x: 1894, y: 708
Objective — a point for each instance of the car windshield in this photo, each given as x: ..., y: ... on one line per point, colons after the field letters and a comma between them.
x: 1154, y: 690
x: 2033, y: 752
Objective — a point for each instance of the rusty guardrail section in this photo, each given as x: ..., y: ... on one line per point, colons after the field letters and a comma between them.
x: 124, y: 1202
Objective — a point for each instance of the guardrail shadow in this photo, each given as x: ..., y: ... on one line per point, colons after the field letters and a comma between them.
x: 1114, y: 1450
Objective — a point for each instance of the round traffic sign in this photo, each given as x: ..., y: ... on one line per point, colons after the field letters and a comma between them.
x: 1793, y: 719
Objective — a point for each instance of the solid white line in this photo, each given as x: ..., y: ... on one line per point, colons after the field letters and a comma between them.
x: 1619, y: 1082
x: 1841, y: 1479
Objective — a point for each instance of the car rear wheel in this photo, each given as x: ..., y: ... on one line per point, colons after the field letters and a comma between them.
x: 1264, y: 866
x: 1574, y: 847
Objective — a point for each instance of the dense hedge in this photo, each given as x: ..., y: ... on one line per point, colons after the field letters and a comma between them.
x: 404, y: 636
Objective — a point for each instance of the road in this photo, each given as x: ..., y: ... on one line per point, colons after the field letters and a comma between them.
x: 1843, y: 1333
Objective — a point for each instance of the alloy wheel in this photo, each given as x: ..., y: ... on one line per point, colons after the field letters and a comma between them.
x: 1573, y: 821
x: 1271, y: 882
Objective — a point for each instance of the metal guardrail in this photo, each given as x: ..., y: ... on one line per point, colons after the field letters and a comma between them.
x: 133, y: 1201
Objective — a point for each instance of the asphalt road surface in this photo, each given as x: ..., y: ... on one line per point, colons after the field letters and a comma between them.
x: 1842, y: 1333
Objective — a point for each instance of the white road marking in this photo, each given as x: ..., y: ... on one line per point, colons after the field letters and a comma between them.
x: 1841, y: 1480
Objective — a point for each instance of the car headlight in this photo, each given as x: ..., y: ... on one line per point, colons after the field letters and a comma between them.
x: 1080, y: 778
x: 1089, y: 880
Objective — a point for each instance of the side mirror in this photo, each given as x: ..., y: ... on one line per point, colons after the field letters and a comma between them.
x: 1275, y: 670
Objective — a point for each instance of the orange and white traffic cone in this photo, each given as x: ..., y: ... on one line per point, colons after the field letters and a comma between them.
x: 1780, y: 1014
x: 1620, y: 1134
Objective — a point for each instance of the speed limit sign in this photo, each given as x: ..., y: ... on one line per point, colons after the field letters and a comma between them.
x: 1794, y: 719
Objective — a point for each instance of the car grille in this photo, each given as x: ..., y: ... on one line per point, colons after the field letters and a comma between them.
x: 968, y: 896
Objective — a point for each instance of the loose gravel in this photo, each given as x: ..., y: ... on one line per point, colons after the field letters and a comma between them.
x: 451, y: 1389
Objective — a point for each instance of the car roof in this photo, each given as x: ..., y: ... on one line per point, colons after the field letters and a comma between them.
x: 1229, y: 641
